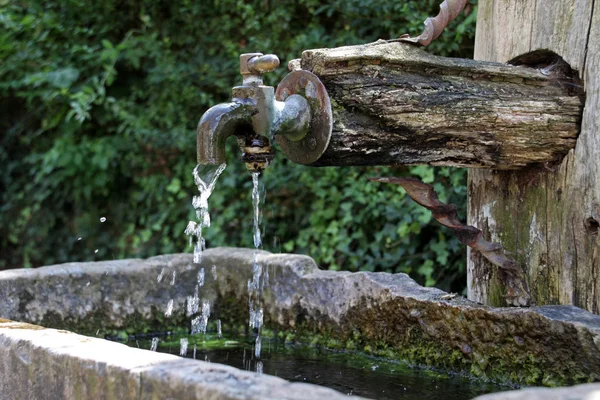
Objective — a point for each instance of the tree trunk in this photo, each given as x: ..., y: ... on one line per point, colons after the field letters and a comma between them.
x: 547, y: 219
x: 395, y: 104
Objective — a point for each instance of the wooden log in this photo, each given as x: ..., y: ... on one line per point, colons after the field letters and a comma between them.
x: 548, y: 219
x: 395, y: 104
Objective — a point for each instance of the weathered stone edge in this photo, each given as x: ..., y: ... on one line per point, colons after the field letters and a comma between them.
x: 590, y: 391
x: 385, y: 314
x: 392, y: 316
x: 40, y: 363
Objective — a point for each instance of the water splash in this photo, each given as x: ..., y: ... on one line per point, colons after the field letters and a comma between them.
x: 169, y: 310
x: 193, y: 303
x: 199, y: 323
x: 154, y: 344
x: 183, y: 346
x: 256, y: 318
x: 160, y: 276
x: 257, y: 347
x: 259, y: 367
x: 173, y: 279
x: 205, y: 177
x: 201, y: 277
x: 219, y: 330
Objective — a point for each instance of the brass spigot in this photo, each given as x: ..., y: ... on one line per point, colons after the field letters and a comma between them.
x: 257, y: 114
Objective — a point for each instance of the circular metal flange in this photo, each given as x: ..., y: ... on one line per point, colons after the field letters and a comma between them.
x: 311, y: 147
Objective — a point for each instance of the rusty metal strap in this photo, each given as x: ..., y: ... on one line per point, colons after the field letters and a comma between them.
x: 449, y: 10
x: 445, y: 214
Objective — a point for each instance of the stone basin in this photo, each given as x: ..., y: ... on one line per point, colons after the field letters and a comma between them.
x: 383, y: 314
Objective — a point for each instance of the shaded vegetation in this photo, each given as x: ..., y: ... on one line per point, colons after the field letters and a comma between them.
x: 99, y: 106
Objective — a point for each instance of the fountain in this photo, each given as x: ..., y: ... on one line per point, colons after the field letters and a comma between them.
x: 380, y: 314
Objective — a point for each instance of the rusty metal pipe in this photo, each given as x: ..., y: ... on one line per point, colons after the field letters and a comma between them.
x: 256, y: 115
x: 215, y: 126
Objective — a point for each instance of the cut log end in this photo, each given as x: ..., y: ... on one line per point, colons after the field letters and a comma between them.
x: 394, y: 104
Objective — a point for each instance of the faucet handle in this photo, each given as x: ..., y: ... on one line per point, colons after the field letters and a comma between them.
x: 253, y: 65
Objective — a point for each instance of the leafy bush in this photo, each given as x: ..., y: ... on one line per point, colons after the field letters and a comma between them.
x: 99, y: 106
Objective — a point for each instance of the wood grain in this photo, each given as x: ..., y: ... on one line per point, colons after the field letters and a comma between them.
x: 395, y: 104
x: 547, y: 219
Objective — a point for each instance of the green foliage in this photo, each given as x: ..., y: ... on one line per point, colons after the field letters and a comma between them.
x: 99, y: 105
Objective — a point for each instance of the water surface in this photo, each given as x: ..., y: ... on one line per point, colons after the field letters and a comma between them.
x: 349, y: 373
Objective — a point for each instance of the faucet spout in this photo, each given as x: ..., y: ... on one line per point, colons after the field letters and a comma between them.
x: 298, y: 116
x: 215, y: 126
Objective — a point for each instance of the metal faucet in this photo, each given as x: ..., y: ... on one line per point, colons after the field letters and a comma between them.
x: 297, y: 115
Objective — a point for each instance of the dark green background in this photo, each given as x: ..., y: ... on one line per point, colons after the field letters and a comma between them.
x: 99, y: 102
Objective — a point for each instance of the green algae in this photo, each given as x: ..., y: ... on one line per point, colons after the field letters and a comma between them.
x: 505, y: 364
x: 447, y: 339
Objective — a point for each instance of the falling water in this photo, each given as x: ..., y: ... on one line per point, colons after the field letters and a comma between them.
x: 201, y: 277
x: 183, y: 343
x: 199, y: 323
x: 193, y: 303
x: 254, y: 285
x: 205, y: 177
x: 169, y: 310
x: 256, y: 207
x: 160, y: 276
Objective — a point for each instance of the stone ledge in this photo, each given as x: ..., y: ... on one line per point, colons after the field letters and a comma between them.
x: 385, y: 314
x: 590, y: 391
x: 39, y: 363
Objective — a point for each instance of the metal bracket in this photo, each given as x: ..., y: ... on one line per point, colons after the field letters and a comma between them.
x: 310, y: 147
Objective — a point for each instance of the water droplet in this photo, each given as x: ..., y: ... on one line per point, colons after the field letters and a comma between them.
x: 173, y: 279
x: 257, y: 347
x: 96, y: 251
x: 154, y: 344
x: 205, y: 177
x: 201, y: 277
x: 169, y: 310
x: 160, y: 276
x: 102, y: 219
x: 192, y: 303
x: 183, y: 342
x: 78, y: 239
x: 199, y: 323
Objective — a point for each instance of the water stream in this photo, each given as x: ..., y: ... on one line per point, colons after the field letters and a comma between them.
x: 255, y: 285
x: 348, y: 373
x: 205, y: 177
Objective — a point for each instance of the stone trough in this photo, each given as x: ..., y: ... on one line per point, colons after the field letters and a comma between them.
x: 387, y: 315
